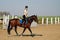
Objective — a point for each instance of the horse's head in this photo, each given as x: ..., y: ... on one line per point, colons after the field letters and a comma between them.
x: 34, y: 17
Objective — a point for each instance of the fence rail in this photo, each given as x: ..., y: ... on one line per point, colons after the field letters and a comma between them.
x: 49, y: 20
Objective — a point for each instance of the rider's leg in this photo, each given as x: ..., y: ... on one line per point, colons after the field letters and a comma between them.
x: 26, y: 21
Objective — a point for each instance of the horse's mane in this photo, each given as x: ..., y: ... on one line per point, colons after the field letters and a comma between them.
x: 33, y: 16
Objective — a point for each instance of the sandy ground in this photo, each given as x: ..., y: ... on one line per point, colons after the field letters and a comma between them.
x: 41, y: 32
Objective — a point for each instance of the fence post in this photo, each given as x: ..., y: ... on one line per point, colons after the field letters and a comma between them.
x: 5, y: 21
x: 55, y: 20
x: 58, y: 20
x: 46, y: 20
x: 42, y: 20
x: 51, y: 20
x: 12, y: 17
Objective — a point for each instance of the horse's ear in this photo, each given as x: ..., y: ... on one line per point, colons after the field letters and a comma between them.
x: 36, y: 15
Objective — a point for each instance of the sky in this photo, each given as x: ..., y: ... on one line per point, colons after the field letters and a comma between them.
x: 35, y: 7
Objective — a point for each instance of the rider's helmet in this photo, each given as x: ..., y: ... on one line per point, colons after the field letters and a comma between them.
x: 26, y: 6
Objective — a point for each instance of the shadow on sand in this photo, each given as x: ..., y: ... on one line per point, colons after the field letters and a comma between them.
x: 33, y: 35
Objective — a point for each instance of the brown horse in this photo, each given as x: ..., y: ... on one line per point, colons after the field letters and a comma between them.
x: 16, y: 22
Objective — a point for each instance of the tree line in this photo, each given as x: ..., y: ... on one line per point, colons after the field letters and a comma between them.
x: 4, y: 13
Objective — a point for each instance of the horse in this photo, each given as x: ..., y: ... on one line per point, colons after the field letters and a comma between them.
x: 16, y: 22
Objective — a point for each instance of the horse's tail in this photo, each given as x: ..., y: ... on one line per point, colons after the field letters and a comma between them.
x: 8, y: 29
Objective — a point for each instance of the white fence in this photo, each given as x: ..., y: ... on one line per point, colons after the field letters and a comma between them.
x: 55, y: 21
x: 5, y: 21
x: 46, y: 21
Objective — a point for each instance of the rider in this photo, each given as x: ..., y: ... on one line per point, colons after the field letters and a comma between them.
x: 25, y: 14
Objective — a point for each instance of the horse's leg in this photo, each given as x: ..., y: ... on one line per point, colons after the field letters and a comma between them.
x: 8, y: 30
x: 30, y: 30
x: 16, y: 30
x: 11, y: 28
x: 23, y: 31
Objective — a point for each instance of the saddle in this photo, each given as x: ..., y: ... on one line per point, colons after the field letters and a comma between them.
x: 23, y: 21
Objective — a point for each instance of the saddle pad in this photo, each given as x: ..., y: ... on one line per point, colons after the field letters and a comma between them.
x: 21, y: 21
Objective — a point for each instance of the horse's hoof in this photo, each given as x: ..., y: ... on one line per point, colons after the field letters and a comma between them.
x: 32, y: 35
x: 9, y: 35
x: 17, y: 35
x: 21, y: 34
